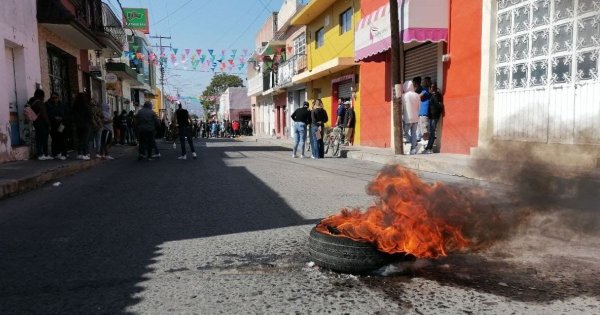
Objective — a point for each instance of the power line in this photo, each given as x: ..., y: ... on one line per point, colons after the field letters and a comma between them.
x: 169, y: 14
x: 248, y: 28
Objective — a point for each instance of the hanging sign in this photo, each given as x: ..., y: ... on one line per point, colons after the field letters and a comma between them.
x: 137, y: 19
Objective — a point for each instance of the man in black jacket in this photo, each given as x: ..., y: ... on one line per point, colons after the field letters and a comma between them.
x: 184, y: 122
x: 301, y: 118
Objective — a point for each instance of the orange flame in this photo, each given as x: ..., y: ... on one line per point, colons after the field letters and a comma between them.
x: 410, y: 216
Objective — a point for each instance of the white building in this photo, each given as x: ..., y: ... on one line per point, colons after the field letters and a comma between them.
x: 234, y: 104
x: 19, y: 73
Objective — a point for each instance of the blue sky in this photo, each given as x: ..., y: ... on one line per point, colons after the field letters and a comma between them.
x: 204, y: 24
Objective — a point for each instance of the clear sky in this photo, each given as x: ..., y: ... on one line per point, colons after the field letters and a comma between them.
x: 202, y: 24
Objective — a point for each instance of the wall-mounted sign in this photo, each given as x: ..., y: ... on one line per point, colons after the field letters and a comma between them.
x: 137, y: 19
x: 111, y: 80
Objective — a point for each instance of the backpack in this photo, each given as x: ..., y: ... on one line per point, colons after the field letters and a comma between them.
x: 30, y: 115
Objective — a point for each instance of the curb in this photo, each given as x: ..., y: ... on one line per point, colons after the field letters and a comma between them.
x: 18, y: 186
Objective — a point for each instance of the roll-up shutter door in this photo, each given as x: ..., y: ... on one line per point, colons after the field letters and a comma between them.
x: 345, y: 89
x: 421, y: 62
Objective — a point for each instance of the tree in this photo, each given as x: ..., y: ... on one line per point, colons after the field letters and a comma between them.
x: 218, y: 85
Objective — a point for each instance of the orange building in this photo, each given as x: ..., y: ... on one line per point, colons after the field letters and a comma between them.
x: 425, y: 31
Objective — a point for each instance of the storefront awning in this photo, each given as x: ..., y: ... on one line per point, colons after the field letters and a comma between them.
x: 423, y: 21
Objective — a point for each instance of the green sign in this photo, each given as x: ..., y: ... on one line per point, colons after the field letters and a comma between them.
x: 137, y: 19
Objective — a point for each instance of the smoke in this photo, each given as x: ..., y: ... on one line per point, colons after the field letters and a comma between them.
x: 541, y: 183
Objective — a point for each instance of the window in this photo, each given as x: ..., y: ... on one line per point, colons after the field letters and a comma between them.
x: 319, y: 37
x: 300, y: 44
x: 346, y: 21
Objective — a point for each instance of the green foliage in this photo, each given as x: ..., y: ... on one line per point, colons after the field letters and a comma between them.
x: 218, y: 85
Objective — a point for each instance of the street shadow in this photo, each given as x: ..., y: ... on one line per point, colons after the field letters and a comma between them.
x: 89, y: 246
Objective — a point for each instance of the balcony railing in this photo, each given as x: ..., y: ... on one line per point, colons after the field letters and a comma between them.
x: 289, y: 68
x: 112, y: 25
x: 255, y: 85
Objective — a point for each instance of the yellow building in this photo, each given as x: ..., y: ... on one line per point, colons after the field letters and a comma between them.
x: 331, y: 72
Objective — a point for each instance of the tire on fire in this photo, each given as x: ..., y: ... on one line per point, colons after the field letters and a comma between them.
x: 346, y: 255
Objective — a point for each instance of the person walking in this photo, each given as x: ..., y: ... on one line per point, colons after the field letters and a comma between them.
x: 97, y: 126
x: 82, y: 117
x: 235, y: 125
x: 317, y: 129
x: 349, y: 123
x: 435, y: 113
x: 411, y: 102
x: 301, y: 118
x: 107, y: 132
x: 184, y: 122
x: 41, y: 125
x: 146, y: 122
x: 57, y: 113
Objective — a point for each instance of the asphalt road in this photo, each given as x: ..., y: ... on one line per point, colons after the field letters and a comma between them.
x: 223, y: 234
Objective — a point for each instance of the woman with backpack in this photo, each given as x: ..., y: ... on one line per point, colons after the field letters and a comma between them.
x: 434, y: 113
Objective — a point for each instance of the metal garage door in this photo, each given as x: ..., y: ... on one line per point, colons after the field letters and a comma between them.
x: 421, y: 61
x: 345, y: 90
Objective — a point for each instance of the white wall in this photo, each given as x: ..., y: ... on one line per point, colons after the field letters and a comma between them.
x: 18, y: 30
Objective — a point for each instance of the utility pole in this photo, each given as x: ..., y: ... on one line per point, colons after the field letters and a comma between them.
x: 397, y: 75
x: 162, y: 70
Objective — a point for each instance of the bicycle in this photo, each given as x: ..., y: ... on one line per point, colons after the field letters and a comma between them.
x: 333, y: 141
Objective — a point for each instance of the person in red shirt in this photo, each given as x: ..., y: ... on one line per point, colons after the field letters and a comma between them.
x: 236, y: 128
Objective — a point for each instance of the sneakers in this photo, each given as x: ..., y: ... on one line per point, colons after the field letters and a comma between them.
x: 108, y: 157
x: 156, y: 156
x: 427, y: 152
x: 183, y: 157
x: 302, y: 156
x: 194, y: 155
x: 45, y: 158
x: 86, y: 158
x: 294, y: 156
x: 60, y: 157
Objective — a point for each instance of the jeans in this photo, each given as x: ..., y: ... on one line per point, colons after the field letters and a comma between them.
x: 314, y: 146
x: 145, y: 146
x: 413, y: 127
x: 58, y: 142
x: 183, y: 133
x: 299, y: 136
x: 432, y: 128
x: 41, y: 139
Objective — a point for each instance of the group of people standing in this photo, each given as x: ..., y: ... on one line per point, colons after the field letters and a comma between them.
x: 423, y: 109
x: 83, y: 123
x: 316, y: 119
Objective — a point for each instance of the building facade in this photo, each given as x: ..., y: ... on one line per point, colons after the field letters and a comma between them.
x: 234, y: 104
x: 20, y: 68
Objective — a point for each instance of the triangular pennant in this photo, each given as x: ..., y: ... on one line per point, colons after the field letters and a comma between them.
x: 289, y: 49
x: 245, y: 52
x: 279, y: 51
x: 198, y: 51
x: 233, y: 53
x: 175, y: 50
x: 202, y: 58
x: 187, y: 51
x: 231, y: 61
x: 134, y: 48
x: 223, y: 52
x: 211, y: 51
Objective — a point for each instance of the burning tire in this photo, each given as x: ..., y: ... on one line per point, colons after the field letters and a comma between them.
x: 346, y: 255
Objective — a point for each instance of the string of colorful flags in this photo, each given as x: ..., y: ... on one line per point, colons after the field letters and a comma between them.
x: 205, y: 60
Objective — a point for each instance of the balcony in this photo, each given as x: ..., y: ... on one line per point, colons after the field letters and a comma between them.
x: 289, y: 68
x: 111, y: 32
x: 288, y: 10
x: 75, y: 20
x: 255, y: 85
x: 125, y: 73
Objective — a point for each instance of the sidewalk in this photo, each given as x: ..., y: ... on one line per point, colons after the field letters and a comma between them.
x: 445, y: 163
x: 21, y: 176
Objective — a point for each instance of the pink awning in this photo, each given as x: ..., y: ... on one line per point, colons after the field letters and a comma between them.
x: 424, y: 20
